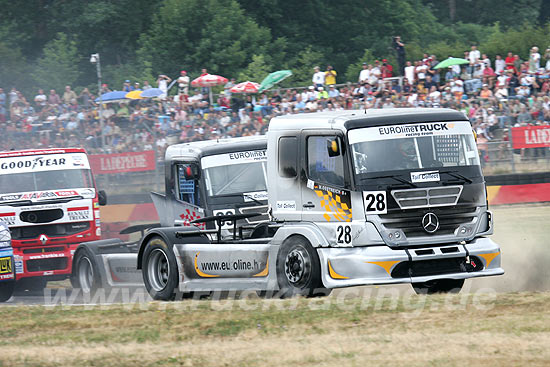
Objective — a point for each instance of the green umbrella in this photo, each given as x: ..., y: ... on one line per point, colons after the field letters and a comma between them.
x: 450, y: 62
x: 273, y: 79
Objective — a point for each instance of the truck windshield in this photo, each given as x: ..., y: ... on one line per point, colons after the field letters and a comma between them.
x: 45, y: 180
x: 415, y: 146
x: 236, y: 178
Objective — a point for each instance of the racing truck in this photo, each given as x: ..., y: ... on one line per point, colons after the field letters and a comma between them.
x: 7, y: 270
x: 355, y: 198
x: 49, y: 201
x: 224, y: 178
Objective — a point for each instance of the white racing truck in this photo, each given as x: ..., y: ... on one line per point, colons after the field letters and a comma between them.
x: 222, y: 178
x: 356, y: 198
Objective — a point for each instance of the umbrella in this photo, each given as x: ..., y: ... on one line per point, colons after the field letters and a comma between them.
x: 114, y: 96
x: 274, y: 78
x: 135, y: 94
x: 450, y: 62
x: 151, y: 93
x: 208, y: 80
x: 245, y: 87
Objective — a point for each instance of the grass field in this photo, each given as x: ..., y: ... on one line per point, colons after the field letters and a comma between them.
x: 487, y: 329
x: 499, y: 321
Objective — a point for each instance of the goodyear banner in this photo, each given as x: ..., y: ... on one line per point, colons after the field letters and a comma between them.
x: 531, y: 136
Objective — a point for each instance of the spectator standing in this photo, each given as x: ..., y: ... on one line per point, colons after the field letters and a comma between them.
x: 183, y: 83
x: 85, y: 96
x: 53, y: 98
x: 40, y: 100
x: 162, y: 82
x: 509, y: 61
x: 318, y: 78
x: 399, y: 47
x: 364, y: 74
x: 330, y: 75
x: 126, y: 87
x: 68, y: 95
x: 409, y: 72
x: 146, y: 85
x: 499, y: 65
x: 13, y: 96
x: 534, y: 60
x: 473, y: 57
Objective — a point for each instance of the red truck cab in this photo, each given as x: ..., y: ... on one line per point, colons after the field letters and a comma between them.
x: 49, y: 201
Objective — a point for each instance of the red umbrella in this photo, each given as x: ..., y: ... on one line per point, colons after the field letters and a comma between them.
x: 208, y: 80
x: 245, y: 87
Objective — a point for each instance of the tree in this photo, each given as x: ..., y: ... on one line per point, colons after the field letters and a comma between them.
x: 58, y: 65
x: 256, y: 71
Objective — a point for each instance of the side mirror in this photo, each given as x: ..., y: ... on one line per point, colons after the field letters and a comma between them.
x: 333, y: 148
x: 191, y: 172
x: 102, y: 197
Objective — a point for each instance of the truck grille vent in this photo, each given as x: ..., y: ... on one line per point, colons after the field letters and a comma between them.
x: 436, y: 267
x: 427, y: 197
x: 50, y: 230
x: 410, y: 221
x: 57, y: 263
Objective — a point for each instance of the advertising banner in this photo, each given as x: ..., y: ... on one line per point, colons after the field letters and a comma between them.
x: 531, y: 136
x: 122, y: 162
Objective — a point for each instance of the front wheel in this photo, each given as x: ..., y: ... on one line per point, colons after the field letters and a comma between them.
x: 6, y: 290
x: 85, y: 275
x: 299, y: 269
x: 439, y: 286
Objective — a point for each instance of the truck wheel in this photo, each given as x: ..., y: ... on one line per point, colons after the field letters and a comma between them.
x: 85, y: 274
x: 439, y: 286
x: 160, y: 271
x: 6, y: 290
x: 299, y: 269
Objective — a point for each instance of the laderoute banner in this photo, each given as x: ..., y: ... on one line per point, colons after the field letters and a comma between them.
x: 122, y: 162
x: 531, y: 136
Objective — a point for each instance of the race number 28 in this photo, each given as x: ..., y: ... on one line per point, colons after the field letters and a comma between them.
x: 375, y: 202
x: 343, y: 235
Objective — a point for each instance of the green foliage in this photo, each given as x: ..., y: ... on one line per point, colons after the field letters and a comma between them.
x: 58, y: 65
x: 256, y: 71
x: 302, y: 67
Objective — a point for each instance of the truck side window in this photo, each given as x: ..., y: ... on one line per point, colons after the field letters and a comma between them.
x: 188, y: 190
x: 288, y: 156
x: 321, y: 167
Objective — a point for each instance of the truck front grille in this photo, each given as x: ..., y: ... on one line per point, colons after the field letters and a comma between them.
x: 427, y: 197
x: 50, y: 230
x: 436, y: 267
x: 410, y: 221
x: 57, y: 263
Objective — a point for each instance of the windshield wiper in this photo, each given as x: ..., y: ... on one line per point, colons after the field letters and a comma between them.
x: 396, y: 178
x: 458, y: 176
x: 239, y: 195
x: 16, y: 203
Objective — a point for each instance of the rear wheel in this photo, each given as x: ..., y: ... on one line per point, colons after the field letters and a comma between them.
x: 160, y: 271
x: 298, y: 270
x: 6, y: 290
x: 439, y: 286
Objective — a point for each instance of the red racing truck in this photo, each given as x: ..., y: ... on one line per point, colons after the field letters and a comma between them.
x: 49, y: 201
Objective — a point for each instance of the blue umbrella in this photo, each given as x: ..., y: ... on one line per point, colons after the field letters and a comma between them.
x: 113, y: 96
x: 151, y: 93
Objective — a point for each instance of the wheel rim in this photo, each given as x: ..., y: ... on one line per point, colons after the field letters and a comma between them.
x: 85, y: 274
x: 158, y: 270
x: 297, y: 266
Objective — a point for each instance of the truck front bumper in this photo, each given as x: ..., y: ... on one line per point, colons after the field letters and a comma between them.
x: 344, y: 267
x: 51, y: 261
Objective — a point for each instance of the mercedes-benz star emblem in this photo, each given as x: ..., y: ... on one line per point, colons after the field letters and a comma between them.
x: 430, y: 222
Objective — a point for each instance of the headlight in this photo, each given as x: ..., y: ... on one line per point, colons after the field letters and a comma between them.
x: 5, y: 235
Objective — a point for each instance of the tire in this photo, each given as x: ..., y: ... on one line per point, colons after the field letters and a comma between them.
x: 298, y: 270
x: 160, y: 271
x: 85, y: 275
x: 6, y: 290
x: 439, y: 286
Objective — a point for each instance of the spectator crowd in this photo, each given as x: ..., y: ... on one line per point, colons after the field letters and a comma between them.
x: 494, y: 93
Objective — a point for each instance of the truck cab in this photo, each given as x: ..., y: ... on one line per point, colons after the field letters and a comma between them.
x: 385, y: 196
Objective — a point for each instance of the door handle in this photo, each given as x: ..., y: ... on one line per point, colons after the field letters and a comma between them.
x: 309, y: 205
